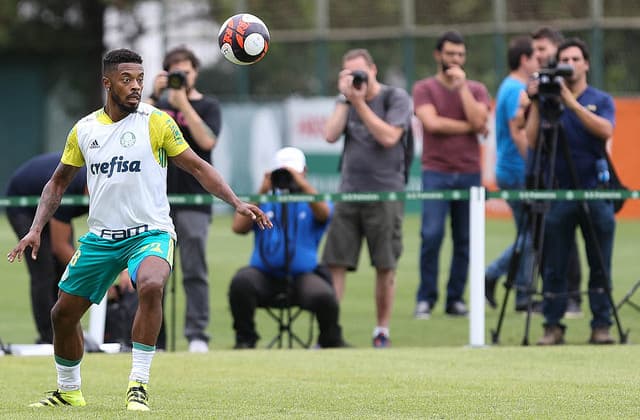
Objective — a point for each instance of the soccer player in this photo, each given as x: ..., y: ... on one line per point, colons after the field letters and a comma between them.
x: 125, y: 147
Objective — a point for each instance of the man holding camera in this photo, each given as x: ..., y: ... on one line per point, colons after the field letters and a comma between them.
x: 545, y: 46
x: 199, y: 119
x: 373, y: 118
x: 587, y: 119
x: 453, y: 112
x: 284, y: 259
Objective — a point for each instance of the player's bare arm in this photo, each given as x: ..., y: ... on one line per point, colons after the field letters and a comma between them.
x: 48, y: 204
x: 211, y: 180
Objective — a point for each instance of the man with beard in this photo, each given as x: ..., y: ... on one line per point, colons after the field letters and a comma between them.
x: 198, y: 116
x: 125, y: 147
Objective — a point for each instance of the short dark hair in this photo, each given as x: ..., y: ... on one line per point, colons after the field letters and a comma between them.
x: 454, y: 37
x: 178, y: 54
x: 574, y: 42
x: 358, y: 52
x: 114, y: 57
x: 517, y: 48
x: 546, y: 32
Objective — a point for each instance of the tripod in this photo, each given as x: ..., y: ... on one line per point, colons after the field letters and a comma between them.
x: 280, y: 310
x: 540, y: 176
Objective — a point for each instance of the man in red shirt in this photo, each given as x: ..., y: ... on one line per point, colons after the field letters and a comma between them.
x: 453, y: 112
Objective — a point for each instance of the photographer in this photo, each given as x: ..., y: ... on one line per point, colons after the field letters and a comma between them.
x: 587, y: 120
x: 373, y: 118
x: 545, y: 47
x: 199, y: 119
x: 280, y: 263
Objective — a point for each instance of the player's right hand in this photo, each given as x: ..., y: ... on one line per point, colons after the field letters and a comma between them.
x: 31, y: 239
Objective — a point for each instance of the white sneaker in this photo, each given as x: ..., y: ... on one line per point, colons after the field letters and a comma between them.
x: 198, y: 346
x: 423, y: 310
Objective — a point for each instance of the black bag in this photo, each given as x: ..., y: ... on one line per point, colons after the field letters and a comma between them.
x: 407, y: 139
x: 615, y: 184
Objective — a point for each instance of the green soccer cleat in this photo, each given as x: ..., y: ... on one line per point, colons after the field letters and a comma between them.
x: 61, y: 398
x: 137, y: 399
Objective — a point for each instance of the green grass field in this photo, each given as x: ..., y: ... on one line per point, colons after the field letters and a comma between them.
x: 429, y: 373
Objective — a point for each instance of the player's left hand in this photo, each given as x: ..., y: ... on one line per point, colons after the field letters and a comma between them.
x: 255, y: 214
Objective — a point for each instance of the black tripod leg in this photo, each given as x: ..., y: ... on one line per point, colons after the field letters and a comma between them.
x: 514, y: 263
x: 591, y: 234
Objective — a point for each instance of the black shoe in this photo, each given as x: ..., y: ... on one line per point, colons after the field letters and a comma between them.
x: 490, y: 291
x: 457, y: 308
x: 243, y: 345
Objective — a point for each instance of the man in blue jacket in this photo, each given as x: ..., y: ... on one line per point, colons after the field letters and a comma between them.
x: 285, y: 258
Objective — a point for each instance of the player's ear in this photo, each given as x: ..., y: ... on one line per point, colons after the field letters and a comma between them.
x: 106, y: 82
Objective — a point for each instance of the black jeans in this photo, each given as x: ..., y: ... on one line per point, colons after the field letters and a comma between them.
x: 250, y: 288
x: 44, y: 273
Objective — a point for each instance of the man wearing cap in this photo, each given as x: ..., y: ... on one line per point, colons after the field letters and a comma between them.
x: 290, y: 263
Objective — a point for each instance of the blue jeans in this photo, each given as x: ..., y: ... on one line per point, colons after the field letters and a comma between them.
x: 560, y: 225
x: 500, y: 266
x: 434, y: 214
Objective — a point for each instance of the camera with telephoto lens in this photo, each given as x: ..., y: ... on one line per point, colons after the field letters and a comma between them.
x: 281, y: 179
x: 359, y: 77
x: 176, y: 80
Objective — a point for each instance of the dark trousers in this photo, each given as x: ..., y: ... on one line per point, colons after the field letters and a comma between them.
x: 44, y: 273
x: 192, y: 228
x: 250, y: 288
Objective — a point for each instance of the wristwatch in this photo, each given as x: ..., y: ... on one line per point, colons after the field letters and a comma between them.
x: 342, y: 99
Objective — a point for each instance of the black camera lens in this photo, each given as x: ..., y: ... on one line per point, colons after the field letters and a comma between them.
x: 176, y: 80
x: 359, y: 77
x: 281, y: 179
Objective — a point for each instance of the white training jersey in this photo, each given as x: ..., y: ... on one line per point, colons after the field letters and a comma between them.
x: 126, y: 169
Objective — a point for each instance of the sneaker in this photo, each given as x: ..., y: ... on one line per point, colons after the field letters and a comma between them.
x: 553, y: 335
x: 137, y: 398
x: 423, y: 310
x: 381, y: 341
x: 198, y: 346
x: 457, y: 308
x: 59, y: 398
x: 490, y: 291
x: 536, y: 307
x: 601, y: 335
x: 573, y: 310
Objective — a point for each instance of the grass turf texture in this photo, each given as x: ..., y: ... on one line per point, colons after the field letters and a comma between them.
x: 428, y: 373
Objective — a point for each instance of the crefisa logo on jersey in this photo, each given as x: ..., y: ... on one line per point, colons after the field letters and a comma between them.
x: 116, y: 164
x: 127, y: 139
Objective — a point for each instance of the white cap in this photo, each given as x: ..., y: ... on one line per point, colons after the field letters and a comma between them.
x: 290, y: 157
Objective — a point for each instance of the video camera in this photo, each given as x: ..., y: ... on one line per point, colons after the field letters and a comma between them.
x: 549, y: 87
x: 551, y: 76
x: 176, y: 80
x: 281, y: 179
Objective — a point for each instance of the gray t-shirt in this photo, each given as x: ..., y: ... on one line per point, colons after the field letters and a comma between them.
x: 366, y: 164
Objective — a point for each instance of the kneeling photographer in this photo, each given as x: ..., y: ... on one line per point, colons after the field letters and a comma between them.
x: 284, y: 259
x: 586, y: 116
